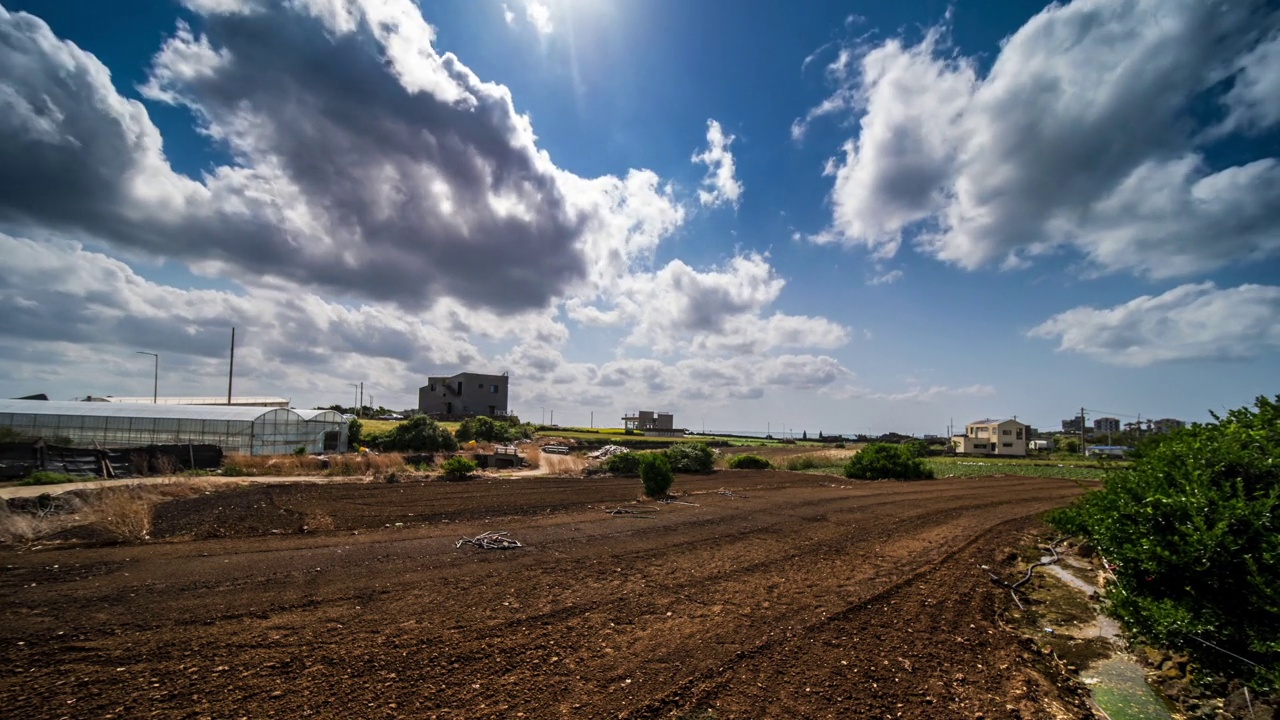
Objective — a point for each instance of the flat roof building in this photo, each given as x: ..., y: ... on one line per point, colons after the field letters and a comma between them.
x: 464, y: 395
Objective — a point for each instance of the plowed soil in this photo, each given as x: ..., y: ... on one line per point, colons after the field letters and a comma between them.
x: 801, y: 596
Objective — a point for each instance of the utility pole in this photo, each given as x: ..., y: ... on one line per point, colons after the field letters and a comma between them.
x: 360, y: 411
x: 231, y: 367
x: 1083, y: 443
x: 155, y: 382
x: 553, y: 417
x: 593, y: 419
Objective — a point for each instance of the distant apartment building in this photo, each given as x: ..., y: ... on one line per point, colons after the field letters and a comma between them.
x: 1072, y: 425
x: 1164, y: 425
x: 1106, y: 425
x: 993, y: 437
x: 464, y: 395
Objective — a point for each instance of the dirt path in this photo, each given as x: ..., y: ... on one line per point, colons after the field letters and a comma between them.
x: 794, y: 598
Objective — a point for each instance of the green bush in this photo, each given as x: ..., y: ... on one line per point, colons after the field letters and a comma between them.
x: 655, y: 474
x: 1194, y: 530
x: 457, y: 468
x: 690, y: 457
x: 749, y: 462
x: 419, y: 434
x: 355, y: 430
x: 627, y: 463
x: 487, y: 429
x: 882, y: 461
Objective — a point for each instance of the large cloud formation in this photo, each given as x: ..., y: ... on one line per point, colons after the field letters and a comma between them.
x: 381, y: 214
x: 1190, y: 322
x: 363, y: 160
x: 1079, y: 135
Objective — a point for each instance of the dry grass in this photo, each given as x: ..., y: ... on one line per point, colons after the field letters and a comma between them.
x: 532, y: 455
x: 21, y: 528
x: 815, y: 461
x: 362, y: 464
x: 347, y: 465
x: 564, y: 464
x: 122, y: 512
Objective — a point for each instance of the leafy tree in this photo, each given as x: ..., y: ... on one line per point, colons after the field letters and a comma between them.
x: 748, y: 462
x: 916, y: 448
x: 1194, y: 530
x: 419, y: 434
x: 487, y: 429
x: 1071, y: 445
x: 458, y: 468
x: 884, y: 461
x: 691, y: 457
x: 655, y: 474
x: 355, y: 429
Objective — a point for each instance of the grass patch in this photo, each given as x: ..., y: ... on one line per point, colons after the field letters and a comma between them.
x: 811, y: 462
x: 978, y: 467
x: 45, y: 477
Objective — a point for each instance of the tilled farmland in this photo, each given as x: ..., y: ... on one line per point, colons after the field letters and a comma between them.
x: 760, y: 595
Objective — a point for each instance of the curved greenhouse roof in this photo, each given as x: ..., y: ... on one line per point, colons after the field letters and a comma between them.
x: 249, y: 430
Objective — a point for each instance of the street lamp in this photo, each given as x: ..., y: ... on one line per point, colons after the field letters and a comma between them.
x: 355, y: 399
x: 155, y: 386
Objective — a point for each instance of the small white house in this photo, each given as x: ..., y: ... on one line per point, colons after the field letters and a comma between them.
x: 993, y: 437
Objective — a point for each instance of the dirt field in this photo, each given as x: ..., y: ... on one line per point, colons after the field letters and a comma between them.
x: 797, y: 598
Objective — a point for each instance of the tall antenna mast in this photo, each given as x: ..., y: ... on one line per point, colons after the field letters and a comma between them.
x: 231, y: 370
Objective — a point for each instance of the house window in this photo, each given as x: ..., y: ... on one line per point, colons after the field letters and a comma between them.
x: 1006, y: 444
x: 493, y: 389
x: 431, y: 387
x: 979, y: 446
x: 1006, y: 432
x: 1018, y: 434
x: 480, y: 385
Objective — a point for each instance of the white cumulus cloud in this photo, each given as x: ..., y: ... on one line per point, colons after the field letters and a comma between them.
x: 1078, y: 136
x: 1190, y: 322
x: 720, y: 185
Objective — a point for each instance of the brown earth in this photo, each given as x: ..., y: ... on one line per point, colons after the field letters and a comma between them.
x: 799, y: 597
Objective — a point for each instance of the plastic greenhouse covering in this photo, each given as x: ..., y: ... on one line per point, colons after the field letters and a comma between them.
x: 247, y: 430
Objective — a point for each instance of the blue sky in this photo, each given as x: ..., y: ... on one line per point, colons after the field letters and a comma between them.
x: 837, y: 216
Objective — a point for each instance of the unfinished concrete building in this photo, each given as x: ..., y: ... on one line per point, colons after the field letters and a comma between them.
x: 464, y: 395
x: 649, y: 422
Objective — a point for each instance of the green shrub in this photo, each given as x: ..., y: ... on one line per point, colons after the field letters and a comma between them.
x: 749, y: 462
x: 419, y: 434
x: 627, y: 463
x: 457, y: 468
x: 690, y: 457
x: 1192, y: 528
x: 882, y: 461
x: 487, y: 429
x: 355, y: 430
x: 655, y: 474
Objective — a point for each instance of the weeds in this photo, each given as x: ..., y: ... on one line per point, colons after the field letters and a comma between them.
x: 45, y: 477
x: 348, y: 465
x: 814, y: 461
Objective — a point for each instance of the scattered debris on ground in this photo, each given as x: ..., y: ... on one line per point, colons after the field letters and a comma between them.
x: 607, y: 451
x: 643, y: 511
x: 492, y: 540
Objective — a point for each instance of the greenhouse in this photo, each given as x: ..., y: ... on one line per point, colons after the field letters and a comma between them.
x: 328, y: 430
x: 247, y: 430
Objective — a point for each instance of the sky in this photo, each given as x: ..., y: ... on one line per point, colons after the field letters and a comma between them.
x: 847, y: 217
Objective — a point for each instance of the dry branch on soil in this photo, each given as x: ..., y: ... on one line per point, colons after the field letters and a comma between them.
x: 493, y: 540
